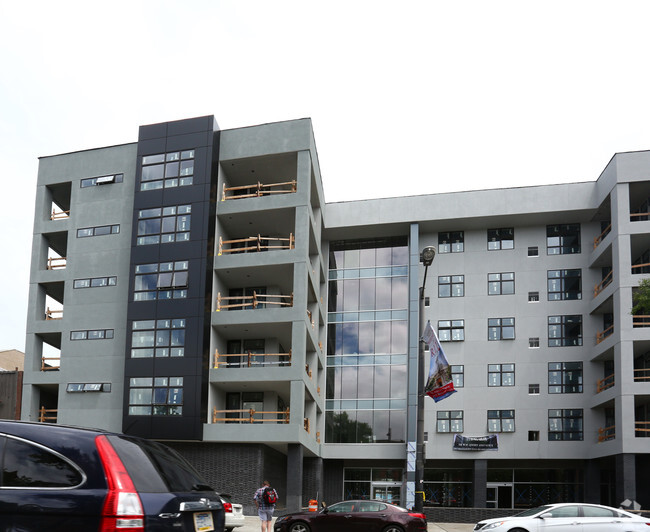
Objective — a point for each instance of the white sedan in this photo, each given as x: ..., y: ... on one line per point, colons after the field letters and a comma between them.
x: 567, y: 517
x: 234, y: 513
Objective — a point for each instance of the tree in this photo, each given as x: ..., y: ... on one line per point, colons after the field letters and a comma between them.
x: 641, y: 299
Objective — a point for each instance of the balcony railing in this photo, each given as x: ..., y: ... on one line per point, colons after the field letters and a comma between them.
x: 642, y: 375
x: 54, y: 263
x: 604, y: 334
x: 47, y: 415
x: 250, y: 415
x: 639, y: 320
x: 642, y: 429
x: 639, y: 216
x: 641, y: 268
x: 252, y: 302
x: 59, y: 215
x: 603, y: 284
x: 249, y: 360
x: 608, y: 433
x: 605, y: 383
x: 305, y: 425
x: 255, y: 244
x: 46, y: 366
x: 56, y: 314
x: 258, y: 190
x: 602, y: 236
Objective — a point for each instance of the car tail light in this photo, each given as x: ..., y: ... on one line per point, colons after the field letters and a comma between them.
x: 421, y: 516
x: 122, y: 510
x: 227, y: 507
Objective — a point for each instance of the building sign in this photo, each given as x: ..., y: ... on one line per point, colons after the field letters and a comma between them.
x: 476, y: 443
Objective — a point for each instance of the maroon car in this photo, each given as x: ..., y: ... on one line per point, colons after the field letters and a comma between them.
x: 352, y: 516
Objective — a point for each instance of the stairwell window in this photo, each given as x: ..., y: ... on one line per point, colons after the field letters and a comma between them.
x: 166, y: 280
x: 164, y: 225
x: 167, y: 170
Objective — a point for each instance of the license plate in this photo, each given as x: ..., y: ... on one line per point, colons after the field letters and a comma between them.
x: 203, y: 521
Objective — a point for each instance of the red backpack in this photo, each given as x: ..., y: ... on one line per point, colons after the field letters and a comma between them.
x: 269, y: 495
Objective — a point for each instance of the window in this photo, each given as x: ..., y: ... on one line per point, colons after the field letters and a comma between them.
x: 158, y: 396
x: 95, y: 334
x: 451, y: 242
x: 565, y: 425
x: 167, y: 280
x: 533, y: 251
x: 501, y: 238
x: 451, y: 286
x: 501, y: 329
x: 533, y: 297
x: 159, y: 338
x: 164, y: 224
x: 501, y: 283
x: 501, y: 374
x: 564, y: 284
x: 565, y: 377
x: 449, y: 421
x: 166, y: 170
x: 533, y: 435
x: 451, y: 330
x: 98, y: 231
x: 501, y: 420
x: 458, y: 376
x: 533, y: 389
x: 102, y: 180
x: 564, y: 331
x: 95, y: 282
x: 562, y: 239
x: 533, y: 343
x: 80, y: 387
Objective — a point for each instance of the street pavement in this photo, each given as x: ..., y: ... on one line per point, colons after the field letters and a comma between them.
x: 253, y: 525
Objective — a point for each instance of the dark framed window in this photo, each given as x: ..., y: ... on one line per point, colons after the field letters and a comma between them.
x: 533, y: 435
x: 92, y: 334
x: 82, y: 387
x: 449, y: 421
x: 564, y: 331
x: 451, y: 242
x: 501, y: 420
x: 503, y: 238
x: 164, y: 225
x: 98, y: 231
x: 501, y: 374
x: 102, y: 180
x: 501, y: 329
x: 451, y: 330
x: 564, y: 284
x: 166, y: 280
x: 458, y: 376
x: 533, y: 343
x: 565, y: 424
x: 501, y: 284
x: 533, y: 389
x: 158, y: 338
x: 167, y: 170
x: 533, y: 297
x: 533, y: 251
x: 562, y: 239
x: 157, y: 396
x: 95, y: 282
x: 565, y: 377
x: 451, y: 286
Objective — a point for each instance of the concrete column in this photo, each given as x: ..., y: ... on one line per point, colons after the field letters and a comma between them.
x: 592, y: 482
x: 625, y: 477
x: 294, y: 477
x: 479, y: 486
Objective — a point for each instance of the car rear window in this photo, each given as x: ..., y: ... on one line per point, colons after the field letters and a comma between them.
x: 155, y: 468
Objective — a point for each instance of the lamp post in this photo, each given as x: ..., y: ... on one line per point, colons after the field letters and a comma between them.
x: 426, y: 258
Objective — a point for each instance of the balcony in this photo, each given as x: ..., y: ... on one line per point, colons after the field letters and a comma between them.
x: 51, y: 314
x: 248, y: 416
x: 604, y: 384
x: 604, y: 334
x: 55, y: 263
x: 642, y: 429
x: 253, y: 302
x: 603, y: 284
x: 255, y: 244
x: 639, y: 216
x: 258, y: 190
x: 59, y: 215
x: 641, y: 268
x: 640, y: 321
x: 50, y: 363
x: 606, y: 434
x: 642, y: 375
x: 250, y: 360
x: 47, y: 415
x: 602, y: 236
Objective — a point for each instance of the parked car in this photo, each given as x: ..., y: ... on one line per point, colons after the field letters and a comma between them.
x: 352, y: 516
x: 234, y: 512
x: 567, y: 517
x: 60, y: 479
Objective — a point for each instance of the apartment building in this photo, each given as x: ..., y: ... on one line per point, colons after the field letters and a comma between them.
x: 195, y: 288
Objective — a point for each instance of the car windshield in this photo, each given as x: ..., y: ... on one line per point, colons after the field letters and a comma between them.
x: 532, y: 511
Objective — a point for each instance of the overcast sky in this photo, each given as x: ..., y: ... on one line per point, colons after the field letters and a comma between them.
x: 409, y: 97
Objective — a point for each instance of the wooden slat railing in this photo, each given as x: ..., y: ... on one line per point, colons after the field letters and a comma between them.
x: 251, y: 416
x: 634, y: 216
x: 605, y: 383
x: 308, y: 370
x: 248, y: 302
x: 603, y: 284
x: 45, y: 415
x: 53, y: 314
x: 602, y: 235
x: 48, y: 367
x: 259, y: 189
x: 608, y: 433
x: 253, y: 244
x: 54, y: 263
x: 604, y: 334
x: 59, y: 215
x: 639, y: 266
x: 639, y: 320
x: 305, y: 425
x: 642, y: 429
x: 248, y: 359
x: 642, y: 375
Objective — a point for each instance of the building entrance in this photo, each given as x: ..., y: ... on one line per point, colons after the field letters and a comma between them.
x: 387, y: 491
x: 499, y: 495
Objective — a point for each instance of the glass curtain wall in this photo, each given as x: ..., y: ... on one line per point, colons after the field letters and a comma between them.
x: 367, y: 341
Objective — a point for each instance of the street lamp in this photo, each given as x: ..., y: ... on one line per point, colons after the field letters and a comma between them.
x: 426, y: 258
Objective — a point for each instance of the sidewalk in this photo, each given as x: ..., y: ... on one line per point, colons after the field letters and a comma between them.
x: 253, y: 525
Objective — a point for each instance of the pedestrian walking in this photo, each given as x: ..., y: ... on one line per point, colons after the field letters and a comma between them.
x: 265, y: 499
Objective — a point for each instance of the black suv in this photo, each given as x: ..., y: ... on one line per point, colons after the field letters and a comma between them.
x: 66, y: 479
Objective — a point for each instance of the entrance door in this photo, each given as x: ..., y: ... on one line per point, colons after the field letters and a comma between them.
x: 387, y: 491
x: 499, y: 495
